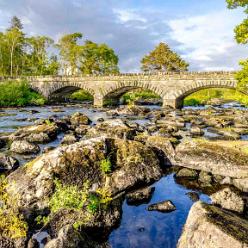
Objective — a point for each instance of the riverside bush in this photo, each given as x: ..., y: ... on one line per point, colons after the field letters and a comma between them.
x: 81, y: 95
x: 15, y: 93
x: 130, y: 97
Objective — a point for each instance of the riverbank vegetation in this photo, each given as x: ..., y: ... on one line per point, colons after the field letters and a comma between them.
x: 81, y: 95
x: 131, y: 97
x: 203, y: 97
x: 18, y: 94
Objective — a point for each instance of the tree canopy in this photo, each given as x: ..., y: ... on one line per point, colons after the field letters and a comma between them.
x: 241, y: 31
x: 163, y: 59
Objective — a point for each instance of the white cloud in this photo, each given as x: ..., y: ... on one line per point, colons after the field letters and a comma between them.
x: 126, y: 15
x: 207, y: 37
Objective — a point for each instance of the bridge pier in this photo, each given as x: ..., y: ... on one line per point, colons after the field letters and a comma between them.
x: 174, y: 103
x: 98, y: 100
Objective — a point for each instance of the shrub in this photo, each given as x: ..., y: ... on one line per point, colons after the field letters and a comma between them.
x: 14, y: 93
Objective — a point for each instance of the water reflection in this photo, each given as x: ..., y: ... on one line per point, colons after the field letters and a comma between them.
x: 141, y: 228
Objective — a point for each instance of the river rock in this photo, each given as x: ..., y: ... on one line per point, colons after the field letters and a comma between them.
x: 211, y: 227
x: 79, y: 119
x: 136, y: 164
x: 140, y: 196
x: 187, y: 173
x: 113, y: 129
x: 38, y: 138
x: 69, y: 139
x: 225, y: 158
x: 8, y: 162
x: 193, y: 196
x: 229, y: 199
x: 241, y: 184
x: 196, y: 131
x: 41, y: 133
x: 163, y: 148
x: 165, y: 206
x: 205, y: 178
x: 24, y: 147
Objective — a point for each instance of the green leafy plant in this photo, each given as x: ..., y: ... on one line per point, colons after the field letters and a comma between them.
x: 106, y: 166
x: 68, y: 197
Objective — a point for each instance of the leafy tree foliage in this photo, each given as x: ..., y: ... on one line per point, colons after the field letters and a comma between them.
x: 98, y: 59
x: 22, y: 55
x: 241, y: 35
x: 241, y: 31
x: 163, y: 59
x: 89, y: 58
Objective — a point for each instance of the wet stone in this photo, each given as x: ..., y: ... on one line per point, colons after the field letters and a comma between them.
x: 140, y: 196
x: 165, y: 206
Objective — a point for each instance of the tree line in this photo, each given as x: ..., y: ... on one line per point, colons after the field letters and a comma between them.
x: 22, y: 55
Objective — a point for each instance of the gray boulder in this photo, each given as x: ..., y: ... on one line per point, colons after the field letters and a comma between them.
x: 208, y: 226
x: 229, y: 199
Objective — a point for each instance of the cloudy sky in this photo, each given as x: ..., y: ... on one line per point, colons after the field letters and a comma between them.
x: 200, y: 30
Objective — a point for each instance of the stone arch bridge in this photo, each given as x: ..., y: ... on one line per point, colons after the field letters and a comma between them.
x: 171, y: 87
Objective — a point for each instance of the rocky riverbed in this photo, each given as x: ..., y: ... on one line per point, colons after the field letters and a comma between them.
x: 76, y: 176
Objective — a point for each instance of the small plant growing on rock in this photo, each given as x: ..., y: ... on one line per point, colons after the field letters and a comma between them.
x: 106, y: 166
x: 68, y: 197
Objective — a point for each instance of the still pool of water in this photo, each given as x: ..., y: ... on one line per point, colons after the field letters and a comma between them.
x: 142, y: 228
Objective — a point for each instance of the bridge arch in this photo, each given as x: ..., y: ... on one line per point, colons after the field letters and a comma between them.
x: 115, y: 91
x: 179, y: 95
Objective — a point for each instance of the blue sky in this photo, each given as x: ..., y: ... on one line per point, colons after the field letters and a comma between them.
x: 200, y: 30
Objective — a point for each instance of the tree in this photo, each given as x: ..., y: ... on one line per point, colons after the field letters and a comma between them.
x: 241, y: 35
x: 163, y: 59
x: 98, y: 59
x: 38, y: 61
x: 16, y: 23
x: 70, y: 52
x: 241, y: 31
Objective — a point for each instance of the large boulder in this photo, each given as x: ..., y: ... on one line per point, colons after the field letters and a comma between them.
x: 163, y: 147
x: 113, y: 129
x: 78, y: 119
x: 136, y: 164
x: 40, y: 133
x: 225, y: 158
x: 211, y: 227
x: 24, y: 147
x: 229, y: 199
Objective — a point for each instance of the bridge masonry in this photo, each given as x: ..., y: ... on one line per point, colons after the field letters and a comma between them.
x: 171, y: 87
